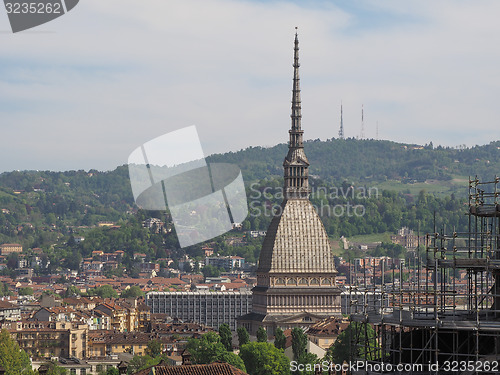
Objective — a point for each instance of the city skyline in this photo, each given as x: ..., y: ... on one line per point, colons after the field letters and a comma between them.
x: 83, y: 91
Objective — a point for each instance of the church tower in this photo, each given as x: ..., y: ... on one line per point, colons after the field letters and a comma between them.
x: 296, y: 272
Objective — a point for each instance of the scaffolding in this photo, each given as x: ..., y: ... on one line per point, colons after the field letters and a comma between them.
x: 442, y: 316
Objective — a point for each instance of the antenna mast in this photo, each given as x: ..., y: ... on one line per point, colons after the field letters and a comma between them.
x: 362, y: 135
x: 341, y: 131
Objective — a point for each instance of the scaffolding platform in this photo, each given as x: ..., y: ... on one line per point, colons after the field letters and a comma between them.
x: 448, y: 309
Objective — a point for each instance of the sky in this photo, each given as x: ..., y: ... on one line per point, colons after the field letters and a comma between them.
x: 85, y: 90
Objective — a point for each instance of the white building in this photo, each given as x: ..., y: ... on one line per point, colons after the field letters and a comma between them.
x: 209, y: 308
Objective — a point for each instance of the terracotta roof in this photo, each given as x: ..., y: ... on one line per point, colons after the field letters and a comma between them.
x: 7, y: 305
x: 129, y: 338
x: 210, y: 369
x: 327, y: 327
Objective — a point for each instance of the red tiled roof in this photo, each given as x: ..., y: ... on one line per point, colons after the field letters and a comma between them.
x: 210, y: 369
x: 7, y: 305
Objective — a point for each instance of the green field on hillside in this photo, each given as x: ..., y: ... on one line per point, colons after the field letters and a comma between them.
x: 457, y: 185
x: 375, y: 237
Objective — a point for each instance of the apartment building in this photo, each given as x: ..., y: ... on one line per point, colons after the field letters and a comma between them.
x: 44, y: 340
x: 209, y: 308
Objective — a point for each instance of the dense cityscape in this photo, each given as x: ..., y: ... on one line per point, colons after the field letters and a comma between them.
x: 83, y: 296
x: 133, y: 242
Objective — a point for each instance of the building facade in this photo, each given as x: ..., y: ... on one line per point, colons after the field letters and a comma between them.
x: 228, y: 263
x: 9, y: 248
x: 209, y: 308
x: 296, y: 274
x: 51, y: 339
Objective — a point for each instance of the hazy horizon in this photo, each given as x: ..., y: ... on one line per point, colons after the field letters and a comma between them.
x: 86, y: 89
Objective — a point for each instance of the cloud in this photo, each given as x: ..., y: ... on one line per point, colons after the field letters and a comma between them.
x: 89, y: 87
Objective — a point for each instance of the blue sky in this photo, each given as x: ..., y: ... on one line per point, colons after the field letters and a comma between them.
x: 86, y: 89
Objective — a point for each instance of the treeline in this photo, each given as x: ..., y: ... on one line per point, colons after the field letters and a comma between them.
x: 47, y: 209
x: 371, y: 160
x: 347, y: 210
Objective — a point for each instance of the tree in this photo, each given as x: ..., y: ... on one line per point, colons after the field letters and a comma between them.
x: 132, y: 292
x: 210, y: 271
x: 279, y: 339
x: 26, y: 291
x: 12, y: 261
x: 104, y: 291
x: 209, y: 349
x: 262, y: 358
x: 261, y: 334
x: 307, y: 360
x: 4, y: 289
x: 138, y: 362
x: 54, y: 368
x: 345, y: 344
x: 243, y: 336
x: 112, y: 371
x: 14, y: 360
x: 226, y: 336
x: 154, y: 348
x: 233, y: 359
x: 141, y: 362
x: 299, y: 342
x: 206, y: 348
x: 71, y: 291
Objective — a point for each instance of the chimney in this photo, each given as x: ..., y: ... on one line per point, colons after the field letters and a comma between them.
x: 42, y: 370
x: 186, y: 357
x: 122, y: 368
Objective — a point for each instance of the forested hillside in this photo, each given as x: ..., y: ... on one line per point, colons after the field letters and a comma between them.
x: 372, y: 161
x: 48, y: 209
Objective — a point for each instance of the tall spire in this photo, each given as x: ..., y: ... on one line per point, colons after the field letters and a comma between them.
x: 296, y: 107
x: 296, y: 164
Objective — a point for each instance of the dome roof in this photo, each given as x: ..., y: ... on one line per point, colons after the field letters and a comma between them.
x: 296, y: 241
x: 296, y: 156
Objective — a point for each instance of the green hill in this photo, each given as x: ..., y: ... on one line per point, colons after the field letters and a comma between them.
x: 409, y: 183
x: 372, y: 161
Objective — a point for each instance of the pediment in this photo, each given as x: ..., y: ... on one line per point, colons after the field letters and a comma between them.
x: 296, y: 162
x: 304, y: 317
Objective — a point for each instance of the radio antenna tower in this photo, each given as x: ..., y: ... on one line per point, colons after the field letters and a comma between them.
x: 377, y: 132
x: 341, y: 131
x: 362, y: 135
